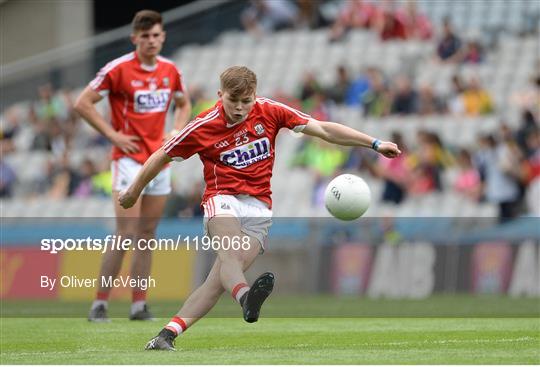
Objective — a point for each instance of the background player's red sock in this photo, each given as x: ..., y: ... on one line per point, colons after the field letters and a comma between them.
x: 102, y: 298
x: 138, y: 300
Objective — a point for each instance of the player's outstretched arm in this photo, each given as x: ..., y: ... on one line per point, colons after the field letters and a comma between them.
x: 335, y: 133
x: 149, y: 170
x: 85, y: 107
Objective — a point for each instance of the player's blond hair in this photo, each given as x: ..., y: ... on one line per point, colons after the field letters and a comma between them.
x: 146, y: 19
x: 238, y: 81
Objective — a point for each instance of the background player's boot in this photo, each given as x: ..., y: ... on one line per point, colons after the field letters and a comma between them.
x: 98, y: 314
x: 163, y: 341
x: 142, y: 315
x: 259, y: 291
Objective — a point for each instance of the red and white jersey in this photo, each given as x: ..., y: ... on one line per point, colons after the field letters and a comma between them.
x: 140, y: 96
x: 237, y: 159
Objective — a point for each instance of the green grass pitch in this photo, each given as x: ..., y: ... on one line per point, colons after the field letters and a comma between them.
x: 508, y: 335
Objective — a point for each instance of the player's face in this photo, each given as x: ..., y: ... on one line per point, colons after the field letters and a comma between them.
x: 149, y: 42
x: 237, y: 108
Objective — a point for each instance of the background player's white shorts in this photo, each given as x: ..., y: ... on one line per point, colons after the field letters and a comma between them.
x: 124, y: 171
x: 254, y: 216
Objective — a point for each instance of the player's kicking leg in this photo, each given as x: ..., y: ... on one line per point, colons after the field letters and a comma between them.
x: 226, y: 274
x: 232, y: 270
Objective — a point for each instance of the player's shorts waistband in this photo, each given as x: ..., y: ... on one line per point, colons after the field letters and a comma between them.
x: 244, y: 198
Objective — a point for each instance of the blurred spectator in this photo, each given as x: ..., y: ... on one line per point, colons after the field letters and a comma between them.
x: 266, y: 16
x: 417, y: 25
x: 532, y: 172
x: 528, y: 98
x: 476, y: 99
x: 323, y: 160
x: 199, y: 101
x: 10, y: 126
x: 404, y: 97
x: 531, y: 167
x: 313, y: 98
x: 57, y: 137
x: 308, y: 14
x: 528, y: 126
x: 472, y: 52
x: 102, y: 180
x: 8, y: 179
x: 388, y: 25
x: 428, y: 161
x: 449, y: 45
x: 84, y: 187
x: 455, y: 99
x: 533, y: 197
x: 359, y: 87
x: 317, y: 107
x: 353, y: 14
x: 501, y: 184
x: 309, y: 87
x: 319, y: 156
x: 62, y: 178
x: 51, y: 104
x: 377, y: 100
x: 338, y: 91
x: 395, y: 173
x: 468, y: 180
x: 428, y: 102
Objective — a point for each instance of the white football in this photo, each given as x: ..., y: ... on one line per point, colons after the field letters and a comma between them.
x: 347, y: 197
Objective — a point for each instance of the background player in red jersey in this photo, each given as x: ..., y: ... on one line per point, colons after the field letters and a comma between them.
x: 140, y: 87
x: 235, y: 141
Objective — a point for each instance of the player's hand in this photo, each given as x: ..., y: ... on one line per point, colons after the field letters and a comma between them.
x: 389, y: 149
x: 127, y: 199
x: 126, y: 143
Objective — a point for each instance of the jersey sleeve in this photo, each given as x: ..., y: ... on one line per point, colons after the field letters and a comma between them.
x: 184, y: 144
x: 105, y: 80
x: 287, y: 117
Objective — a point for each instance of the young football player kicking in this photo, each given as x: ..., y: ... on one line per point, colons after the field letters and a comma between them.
x: 235, y: 141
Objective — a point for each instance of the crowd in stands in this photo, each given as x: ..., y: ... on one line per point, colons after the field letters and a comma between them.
x: 498, y: 169
x: 386, y: 18
x: 266, y: 16
x: 378, y: 95
x: 50, y: 125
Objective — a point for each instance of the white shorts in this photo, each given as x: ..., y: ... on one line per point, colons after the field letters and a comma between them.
x: 254, y: 216
x: 124, y: 171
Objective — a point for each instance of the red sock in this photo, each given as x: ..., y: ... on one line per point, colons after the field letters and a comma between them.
x: 138, y: 295
x: 102, y: 296
x: 177, y: 325
x: 239, y: 290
